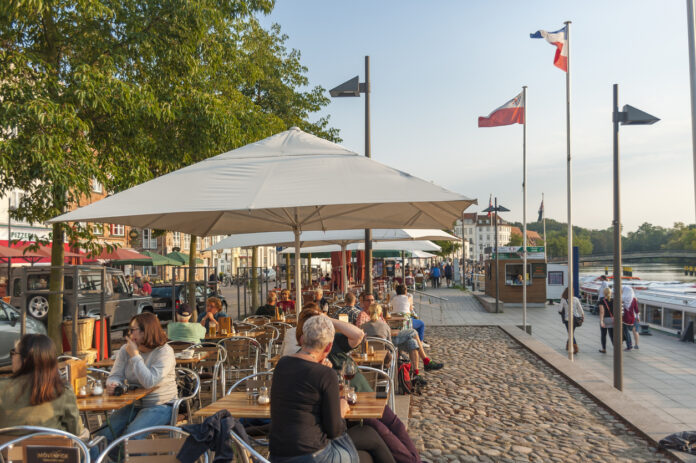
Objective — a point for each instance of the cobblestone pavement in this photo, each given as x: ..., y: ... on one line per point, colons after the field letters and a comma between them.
x: 496, y: 402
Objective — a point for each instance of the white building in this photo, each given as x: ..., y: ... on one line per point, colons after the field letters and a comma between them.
x: 479, y: 233
x: 21, y: 230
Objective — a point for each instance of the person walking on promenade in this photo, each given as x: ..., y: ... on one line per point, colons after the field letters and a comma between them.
x: 435, y: 275
x: 630, y: 312
x: 578, y: 317
x: 606, y: 319
x: 602, y: 287
x: 448, y: 273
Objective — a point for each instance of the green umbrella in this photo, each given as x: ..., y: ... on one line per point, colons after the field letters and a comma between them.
x: 182, y: 258
x: 158, y: 259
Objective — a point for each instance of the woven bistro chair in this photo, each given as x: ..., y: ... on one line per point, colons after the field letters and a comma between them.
x: 211, y: 370
x: 243, y: 354
x: 257, y: 320
x: 188, y: 385
x: 12, y: 446
x: 156, y: 444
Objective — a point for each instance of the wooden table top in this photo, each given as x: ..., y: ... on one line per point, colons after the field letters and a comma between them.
x: 368, y: 406
x: 108, y: 363
x: 375, y: 359
x: 105, y: 403
x: 246, y: 334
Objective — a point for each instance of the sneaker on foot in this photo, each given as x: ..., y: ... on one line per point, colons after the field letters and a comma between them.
x: 628, y: 348
x: 603, y: 351
x: 425, y: 344
x: 431, y: 366
x: 635, y: 347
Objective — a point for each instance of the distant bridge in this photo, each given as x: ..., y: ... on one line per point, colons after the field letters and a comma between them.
x: 637, y: 255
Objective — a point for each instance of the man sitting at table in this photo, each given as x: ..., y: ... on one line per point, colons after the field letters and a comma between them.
x: 349, y: 309
x: 182, y: 330
x: 286, y: 304
x: 320, y: 300
x: 213, y: 312
x: 270, y: 309
x: 403, y: 303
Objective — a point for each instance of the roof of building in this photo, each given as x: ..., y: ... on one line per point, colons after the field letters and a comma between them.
x: 531, y: 235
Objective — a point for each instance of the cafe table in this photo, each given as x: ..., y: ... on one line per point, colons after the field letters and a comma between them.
x: 197, y: 357
x: 220, y: 337
x: 105, y: 402
x: 239, y: 406
x: 376, y: 358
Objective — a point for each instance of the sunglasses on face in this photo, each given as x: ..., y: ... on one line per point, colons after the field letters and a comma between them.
x: 130, y: 330
x: 13, y: 351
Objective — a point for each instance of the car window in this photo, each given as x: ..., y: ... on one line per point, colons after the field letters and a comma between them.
x: 37, y: 282
x: 89, y: 282
x: 119, y: 284
x: 17, y: 287
x: 4, y: 316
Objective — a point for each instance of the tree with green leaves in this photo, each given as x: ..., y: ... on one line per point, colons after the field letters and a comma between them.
x: 124, y: 91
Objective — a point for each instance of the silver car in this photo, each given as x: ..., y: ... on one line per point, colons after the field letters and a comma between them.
x: 9, y: 330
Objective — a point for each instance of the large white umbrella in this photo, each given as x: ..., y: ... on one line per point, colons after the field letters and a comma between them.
x: 418, y: 245
x: 289, y: 181
x: 337, y: 237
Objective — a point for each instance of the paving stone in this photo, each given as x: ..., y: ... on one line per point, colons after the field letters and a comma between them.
x: 496, y: 402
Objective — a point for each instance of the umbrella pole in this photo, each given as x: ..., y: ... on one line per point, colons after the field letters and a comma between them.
x: 298, y: 273
x: 344, y: 275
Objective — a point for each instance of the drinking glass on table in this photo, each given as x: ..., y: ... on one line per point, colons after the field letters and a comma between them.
x: 349, y: 371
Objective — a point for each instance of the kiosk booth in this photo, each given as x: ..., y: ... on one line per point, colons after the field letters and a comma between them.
x: 511, y: 276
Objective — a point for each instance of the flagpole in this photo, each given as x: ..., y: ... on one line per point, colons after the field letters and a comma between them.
x: 571, y: 289
x: 543, y: 221
x: 524, y: 208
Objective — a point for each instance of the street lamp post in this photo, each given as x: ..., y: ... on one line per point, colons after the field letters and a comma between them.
x: 495, y: 209
x: 353, y: 88
x: 629, y: 116
x: 10, y: 208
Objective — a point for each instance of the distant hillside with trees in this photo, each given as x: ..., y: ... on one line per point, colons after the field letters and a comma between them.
x: 647, y: 237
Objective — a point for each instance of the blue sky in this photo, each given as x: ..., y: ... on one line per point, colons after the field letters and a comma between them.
x: 437, y: 66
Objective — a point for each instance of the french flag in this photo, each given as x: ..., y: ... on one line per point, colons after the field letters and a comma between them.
x: 559, y: 39
x: 511, y: 112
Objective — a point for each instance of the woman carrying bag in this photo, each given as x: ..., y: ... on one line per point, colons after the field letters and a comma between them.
x: 578, y: 317
x: 606, y: 318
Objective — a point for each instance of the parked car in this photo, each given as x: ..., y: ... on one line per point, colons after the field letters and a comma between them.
x: 162, y: 299
x: 9, y: 330
x: 121, y: 303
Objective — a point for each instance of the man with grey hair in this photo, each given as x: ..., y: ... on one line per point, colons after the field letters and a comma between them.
x: 318, y: 333
x: 320, y: 300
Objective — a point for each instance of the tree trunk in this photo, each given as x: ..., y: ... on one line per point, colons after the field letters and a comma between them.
x: 55, y: 299
x: 191, y: 290
x: 254, y: 279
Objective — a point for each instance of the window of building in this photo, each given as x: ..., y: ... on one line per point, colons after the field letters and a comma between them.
x: 149, y: 242
x: 176, y: 239
x: 118, y: 230
x: 150, y: 271
x: 187, y: 242
x: 555, y: 278
x: 513, y: 274
x: 653, y: 314
x: 673, y: 319
x: 98, y: 229
x: 97, y: 187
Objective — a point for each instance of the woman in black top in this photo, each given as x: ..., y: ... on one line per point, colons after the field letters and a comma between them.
x: 606, y: 319
x: 306, y: 411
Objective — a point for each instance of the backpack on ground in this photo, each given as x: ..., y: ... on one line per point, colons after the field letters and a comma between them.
x: 406, y: 385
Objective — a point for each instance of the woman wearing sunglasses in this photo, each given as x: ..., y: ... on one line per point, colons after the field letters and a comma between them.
x: 35, y: 395
x: 145, y: 361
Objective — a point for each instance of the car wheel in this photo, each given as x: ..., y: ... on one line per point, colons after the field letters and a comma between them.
x: 37, y: 307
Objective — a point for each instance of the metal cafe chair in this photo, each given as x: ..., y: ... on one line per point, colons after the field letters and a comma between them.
x: 162, y: 446
x: 12, y: 446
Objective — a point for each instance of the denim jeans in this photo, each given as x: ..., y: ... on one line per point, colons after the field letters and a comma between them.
x: 339, y: 450
x: 131, y: 418
x: 419, y: 326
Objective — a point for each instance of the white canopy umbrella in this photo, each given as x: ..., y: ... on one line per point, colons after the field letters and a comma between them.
x: 377, y: 246
x: 337, y: 237
x: 289, y: 181
x: 422, y: 255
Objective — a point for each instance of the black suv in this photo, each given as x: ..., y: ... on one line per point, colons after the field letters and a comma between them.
x: 162, y: 299
x: 121, y: 303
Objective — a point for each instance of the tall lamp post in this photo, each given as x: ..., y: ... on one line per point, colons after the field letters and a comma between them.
x: 10, y: 208
x: 496, y: 208
x: 629, y: 116
x: 353, y: 88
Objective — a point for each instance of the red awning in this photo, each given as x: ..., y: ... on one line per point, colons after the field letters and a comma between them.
x: 122, y: 254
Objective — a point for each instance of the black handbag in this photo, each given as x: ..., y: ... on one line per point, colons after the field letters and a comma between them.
x: 577, y: 321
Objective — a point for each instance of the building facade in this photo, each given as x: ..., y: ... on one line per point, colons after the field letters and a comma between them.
x: 478, y: 231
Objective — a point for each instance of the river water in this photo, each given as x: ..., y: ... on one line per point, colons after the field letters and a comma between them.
x: 653, y: 271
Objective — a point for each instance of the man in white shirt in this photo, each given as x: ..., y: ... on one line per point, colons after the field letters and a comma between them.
x: 600, y: 292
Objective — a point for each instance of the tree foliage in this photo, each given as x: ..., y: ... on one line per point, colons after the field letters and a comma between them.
x: 122, y: 91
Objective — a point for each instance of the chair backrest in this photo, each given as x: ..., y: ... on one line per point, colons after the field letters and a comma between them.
x: 188, y: 385
x: 247, y: 450
x: 257, y: 320
x: 254, y: 381
x: 162, y: 449
x: 374, y: 375
x: 242, y: 355
x: 12, y: 446
x: 178, y: 346
x: 243, y: 326
x: 266, y: 335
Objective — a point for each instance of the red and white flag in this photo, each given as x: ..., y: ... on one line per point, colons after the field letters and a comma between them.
x: 558, y: 39
x: 511, y: 112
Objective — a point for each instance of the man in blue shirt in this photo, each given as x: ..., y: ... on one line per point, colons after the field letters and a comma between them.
x: 213, y: 312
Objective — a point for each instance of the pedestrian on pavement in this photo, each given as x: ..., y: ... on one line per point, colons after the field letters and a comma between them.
x: 435, y: 276
x: 630, y: 311
x: 448, y: 274
x: 578, y: 317
x: 600, y: 293
x: 606, y: 319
